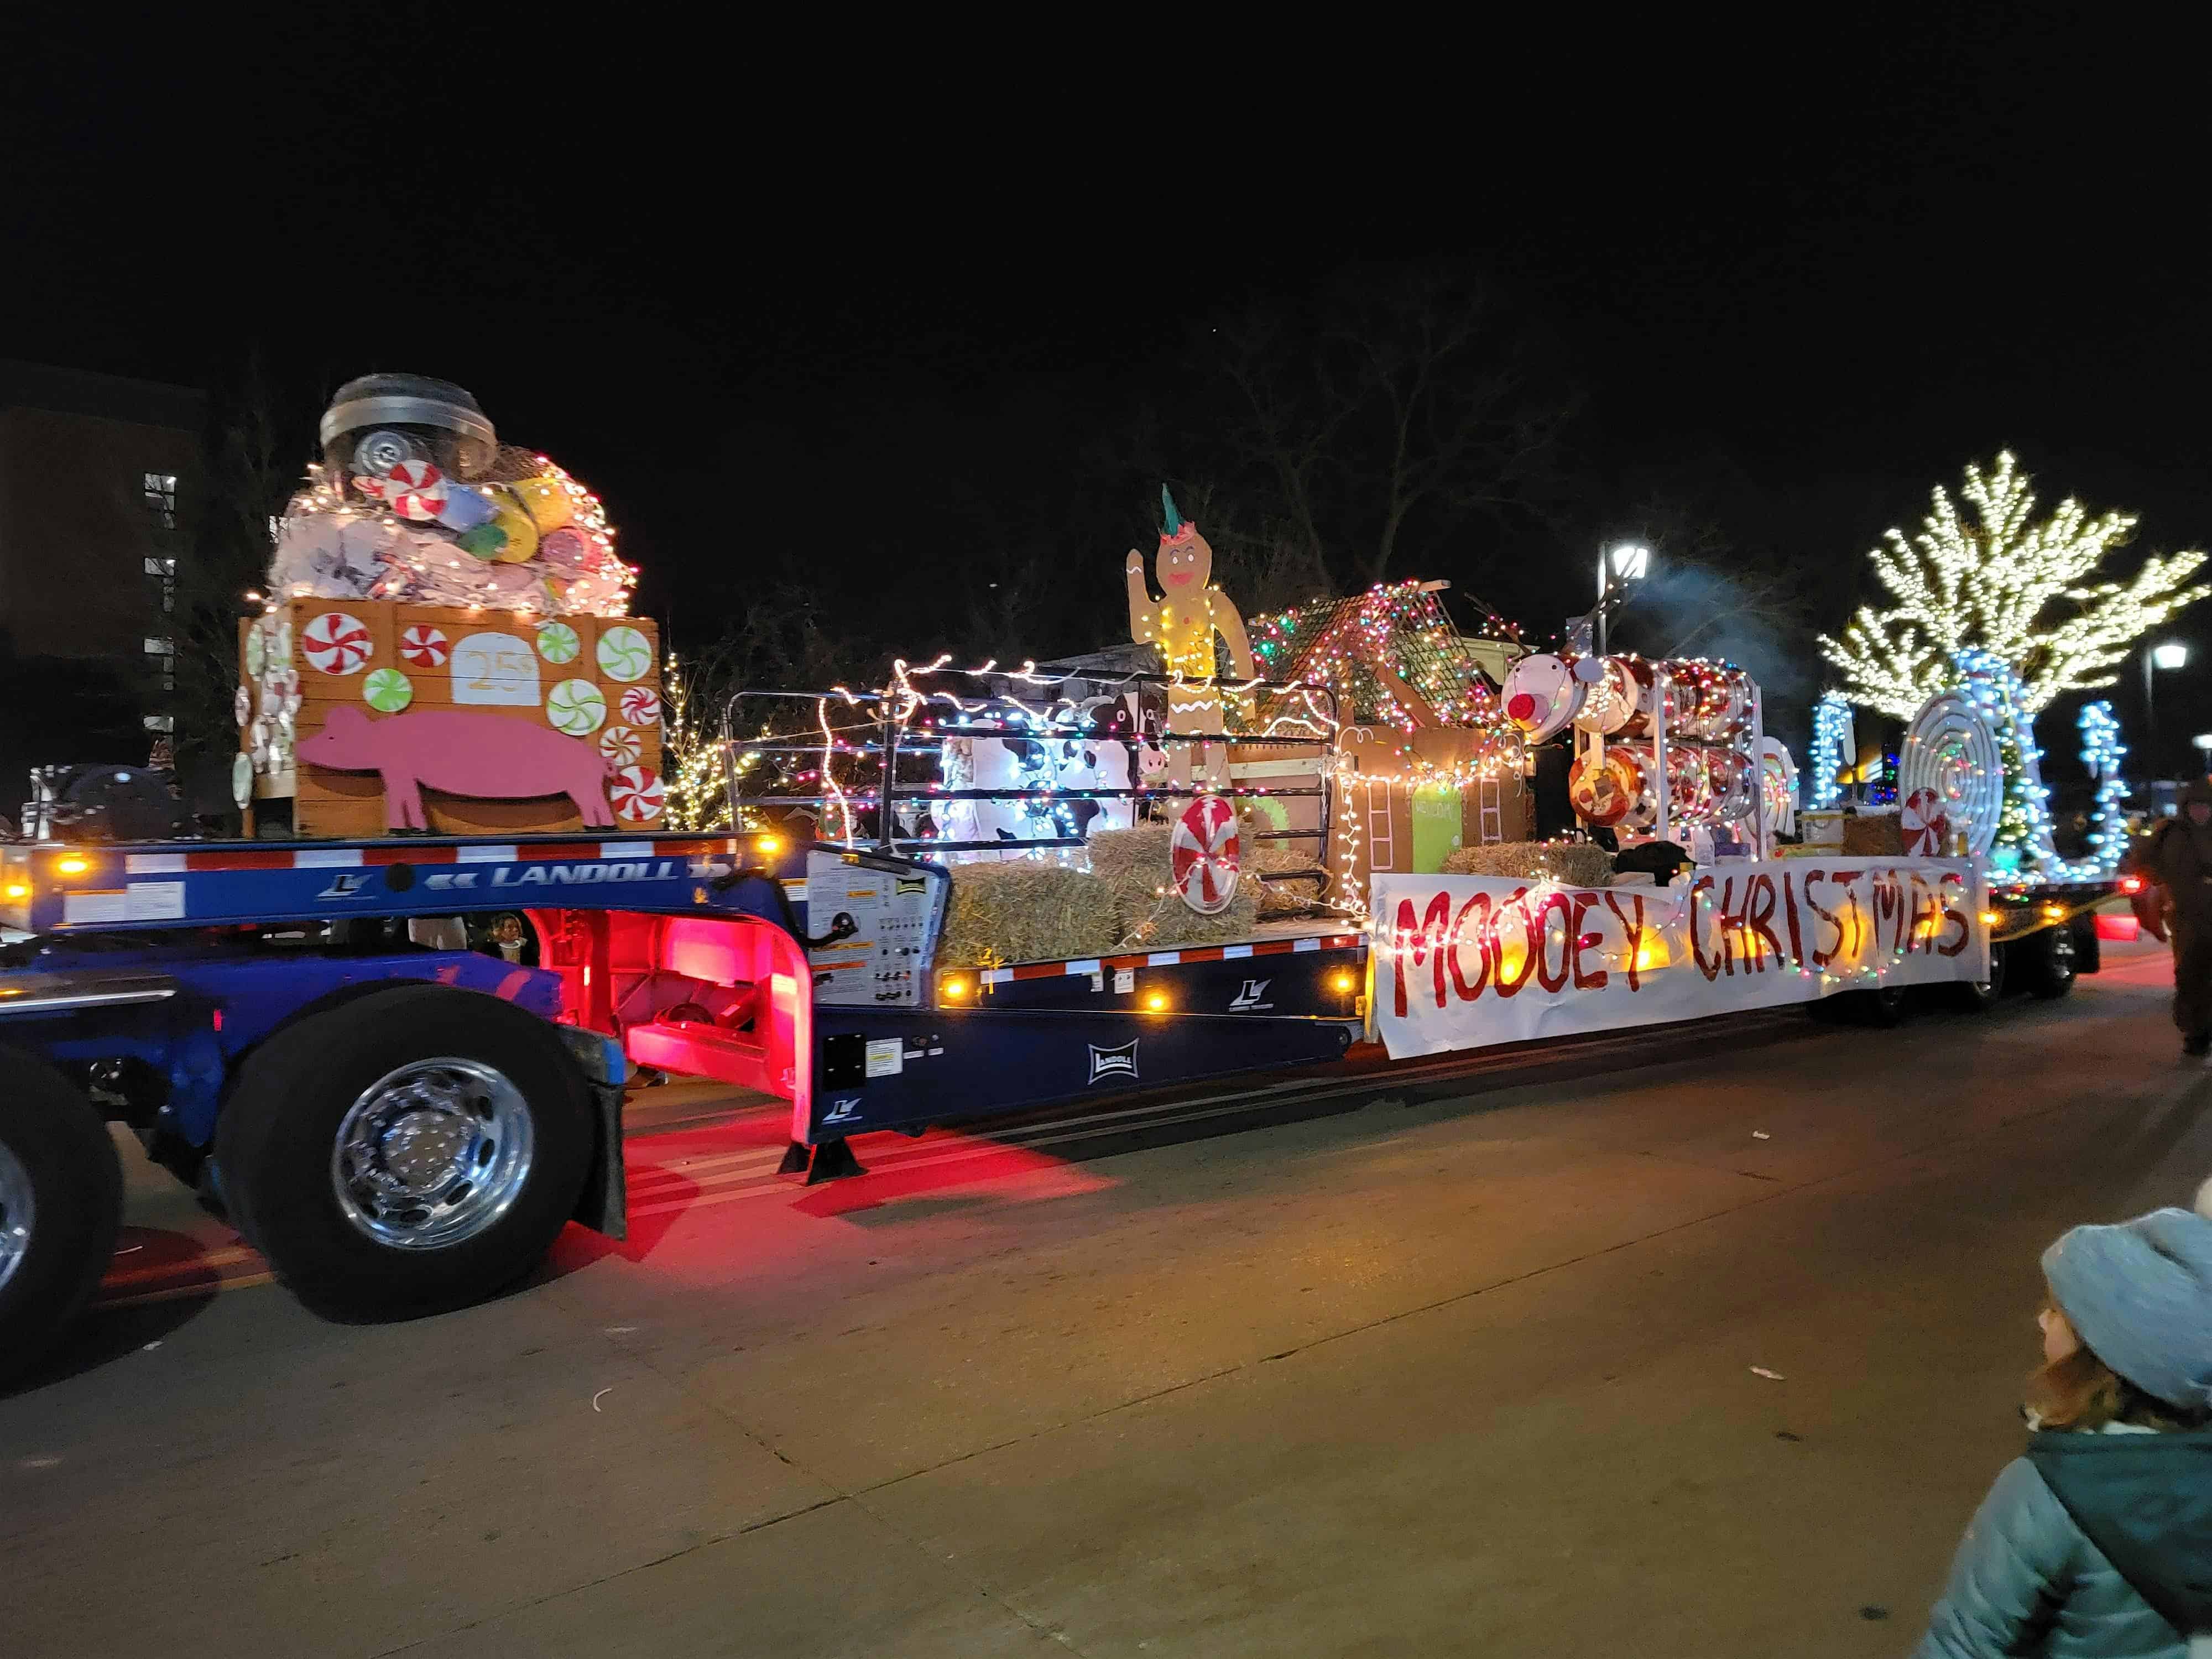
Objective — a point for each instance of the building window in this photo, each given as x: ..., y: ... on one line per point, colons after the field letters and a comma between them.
x: 161, y: 493
x: 164, y: 654
x: 163, y: 573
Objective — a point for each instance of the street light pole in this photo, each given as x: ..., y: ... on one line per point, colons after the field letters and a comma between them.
x: 2169, y: 654
x: 1604, y: 587
x: 2150, y: 719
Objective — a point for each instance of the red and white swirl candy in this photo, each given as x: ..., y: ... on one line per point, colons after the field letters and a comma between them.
x: 416, y: 490
x: 621, y: 746
x: 335, y: 643
x: 640, y: 706
x: 635, y: 794
x: 1924, y: 824
x: 425, y: 647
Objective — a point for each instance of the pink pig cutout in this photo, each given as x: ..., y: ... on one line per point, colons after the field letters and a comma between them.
x: 482, y: 757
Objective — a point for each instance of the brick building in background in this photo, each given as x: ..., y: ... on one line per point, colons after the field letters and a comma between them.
x: 92, y: 469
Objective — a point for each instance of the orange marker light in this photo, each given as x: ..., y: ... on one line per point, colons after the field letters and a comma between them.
x: 2053, y: 912
x: 74, y: 865
x: 1990, y: 918
x: 17, y: 890
x: 955, y: 989
x: 1156, y: 1002
x: 767, y: 846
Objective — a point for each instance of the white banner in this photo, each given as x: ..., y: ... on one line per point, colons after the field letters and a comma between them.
x: 1462, y: 962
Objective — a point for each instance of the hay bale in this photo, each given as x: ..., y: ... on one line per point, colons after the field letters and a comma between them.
x: 1263, y: 858
x: 1573, y: 863
x: 1020, y: 910
x: 1134, y: 863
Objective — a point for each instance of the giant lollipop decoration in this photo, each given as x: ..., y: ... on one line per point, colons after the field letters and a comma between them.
x: 1612, y: 694
x: 1950, y: 776
x: 1203, y: 855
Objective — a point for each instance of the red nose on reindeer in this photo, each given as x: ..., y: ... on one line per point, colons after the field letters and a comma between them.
x: 1520, y: 707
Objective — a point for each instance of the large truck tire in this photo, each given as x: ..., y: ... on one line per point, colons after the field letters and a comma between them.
x: 61, y: 1200
x: 2089, y: 949
x: 412, y: 1152
x: 2047, y: 967
x: 1882, y: 1007
x: 1980, y: 997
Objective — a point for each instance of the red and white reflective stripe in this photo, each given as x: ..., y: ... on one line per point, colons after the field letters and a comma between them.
x: 401, y: 852
x: 1087, y: 965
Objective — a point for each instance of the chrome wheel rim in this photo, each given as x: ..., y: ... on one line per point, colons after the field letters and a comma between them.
x: 432, y: 1154
x: 17, y: 1212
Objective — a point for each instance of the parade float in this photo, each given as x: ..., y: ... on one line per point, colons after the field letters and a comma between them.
x: 969, y: 892
x: 445, y: 645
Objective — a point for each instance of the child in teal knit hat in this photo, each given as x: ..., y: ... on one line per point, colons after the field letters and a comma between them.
x: 2098, y: 1543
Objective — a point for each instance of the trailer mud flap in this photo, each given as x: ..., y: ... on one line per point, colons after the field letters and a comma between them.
x: 604, y: 1204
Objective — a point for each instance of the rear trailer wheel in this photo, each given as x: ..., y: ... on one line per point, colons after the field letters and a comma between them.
x: 2048, y: 971
x: 1885, y: 1005
x: 414, y: 1151
x: 61, y: 1200
x: 1980, y: 997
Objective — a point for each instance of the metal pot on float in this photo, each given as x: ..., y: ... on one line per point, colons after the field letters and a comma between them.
x: 379, y: 422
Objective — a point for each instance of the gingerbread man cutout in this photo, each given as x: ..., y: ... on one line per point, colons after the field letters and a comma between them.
x: 1182, y: 622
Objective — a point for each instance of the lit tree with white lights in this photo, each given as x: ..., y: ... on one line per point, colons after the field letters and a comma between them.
x: 1998, y: 579
x: 692, y: 778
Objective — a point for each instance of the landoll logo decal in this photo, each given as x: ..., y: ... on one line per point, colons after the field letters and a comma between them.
x: 844, y: 1111
x: 344, y: 885
x: 1253, y: 996
x: 1113, y: 1062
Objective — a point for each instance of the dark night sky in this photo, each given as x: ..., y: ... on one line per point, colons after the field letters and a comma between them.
x: 759, y: 288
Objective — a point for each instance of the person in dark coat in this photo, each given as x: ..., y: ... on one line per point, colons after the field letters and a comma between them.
x: 2176, y: 857
x: 2098, y: 1543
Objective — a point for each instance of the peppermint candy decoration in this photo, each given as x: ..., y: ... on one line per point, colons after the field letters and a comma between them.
x: 640, y: 706
x: 636, y: 794
x: 337, y: 643
x: 576, y: 708
x: 624, y: 654
x: 241, y: 780
x: 387, y: 690
x: 1925, y: 824
x: 425, y: 647
x: 416, y: 490
x: 1203, y: 855
x: 621, y: 746
x: 557, y: 642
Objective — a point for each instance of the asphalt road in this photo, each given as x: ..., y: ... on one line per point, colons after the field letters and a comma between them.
x: 1712, y: 1358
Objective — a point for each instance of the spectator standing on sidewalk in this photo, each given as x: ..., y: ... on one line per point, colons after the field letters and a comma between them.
x: 2098, y: 1543
x: 2176, y: 859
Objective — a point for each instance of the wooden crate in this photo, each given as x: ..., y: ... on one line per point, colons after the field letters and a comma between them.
x: 492, y: 663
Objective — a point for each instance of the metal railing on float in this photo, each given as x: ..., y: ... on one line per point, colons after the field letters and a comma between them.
x: 860, y: 752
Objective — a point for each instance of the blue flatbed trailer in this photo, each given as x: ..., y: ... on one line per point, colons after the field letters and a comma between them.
x: 399, y: 1063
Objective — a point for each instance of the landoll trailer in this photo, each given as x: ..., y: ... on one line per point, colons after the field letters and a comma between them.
x: 398, y: 1063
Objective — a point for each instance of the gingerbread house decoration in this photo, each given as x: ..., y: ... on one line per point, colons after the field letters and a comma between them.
x: 1427, y: 762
